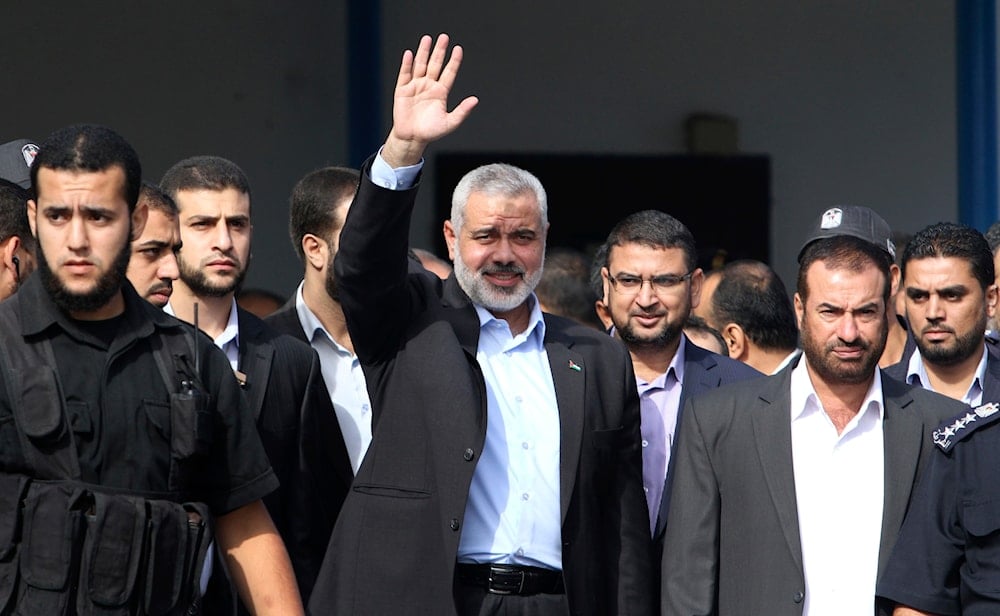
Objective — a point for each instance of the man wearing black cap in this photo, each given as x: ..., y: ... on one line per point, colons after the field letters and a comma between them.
x: 17, y: 245
x: 862, y: 222
x: 795, y: 485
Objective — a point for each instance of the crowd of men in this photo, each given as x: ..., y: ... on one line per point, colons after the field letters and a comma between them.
x: 398, y: 439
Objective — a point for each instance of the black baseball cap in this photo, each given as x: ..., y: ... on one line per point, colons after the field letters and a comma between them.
x: 854, y: 220
x: 15, y: 161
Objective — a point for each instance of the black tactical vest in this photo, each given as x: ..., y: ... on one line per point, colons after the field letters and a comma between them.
x: 68, y: 547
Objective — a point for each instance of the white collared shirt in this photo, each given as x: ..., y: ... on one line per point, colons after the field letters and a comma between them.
x: 345, y: 382
x: 840, y: 492
x: 229, y: 339
x: 513, y: 514
x: 791, y: 357
x: 916, y: 374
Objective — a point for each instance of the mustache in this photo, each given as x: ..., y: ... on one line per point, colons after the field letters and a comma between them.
x: 937, y: 328
x: 502, y: 269
x: 859, y: 344
x: 163, y: 285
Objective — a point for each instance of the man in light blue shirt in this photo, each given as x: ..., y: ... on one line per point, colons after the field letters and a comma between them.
x: 504, y: 472
x: 950, y: 294
x: 317, y: 209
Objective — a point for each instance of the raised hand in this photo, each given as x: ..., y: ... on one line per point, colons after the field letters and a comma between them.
x: 420, y: 103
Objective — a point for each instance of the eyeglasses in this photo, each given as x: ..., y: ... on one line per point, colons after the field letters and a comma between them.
x: 631, y: 285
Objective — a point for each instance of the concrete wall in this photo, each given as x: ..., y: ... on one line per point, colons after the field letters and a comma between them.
x: 854, y: 102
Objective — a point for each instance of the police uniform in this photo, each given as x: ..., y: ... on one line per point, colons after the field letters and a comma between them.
x: 117, y: 474
x: 947, y: 557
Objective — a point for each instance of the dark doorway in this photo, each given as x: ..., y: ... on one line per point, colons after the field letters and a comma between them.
x: 724, y: 200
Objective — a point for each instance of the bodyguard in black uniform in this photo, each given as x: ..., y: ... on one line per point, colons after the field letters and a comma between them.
x: 947, y: 558
x: 125, y: 448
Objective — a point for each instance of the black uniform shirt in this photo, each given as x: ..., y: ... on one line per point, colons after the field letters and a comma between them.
x: 119, y: 405
x: 947, y: 556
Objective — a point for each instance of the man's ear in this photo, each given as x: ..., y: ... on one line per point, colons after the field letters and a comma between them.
x: 697, y: 279
x: 314, y: 251
x: 8, y: 252
x: 736, y: 341
x: 449, y: 239
x: 799, y: 310
x: 32, y: 210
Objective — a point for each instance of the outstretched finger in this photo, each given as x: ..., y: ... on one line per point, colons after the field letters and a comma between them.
x: 405, y: 75
x: 462, y: 111
x: 421, y: 57
x: 438, y: 56
x: 450, y: 72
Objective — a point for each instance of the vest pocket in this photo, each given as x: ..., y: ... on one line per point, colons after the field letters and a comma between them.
x: 52, y: 524
x: 12, y: 491
x: 112, y: 551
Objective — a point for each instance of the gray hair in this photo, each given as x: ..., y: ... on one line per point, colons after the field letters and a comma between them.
x: 496, y: 179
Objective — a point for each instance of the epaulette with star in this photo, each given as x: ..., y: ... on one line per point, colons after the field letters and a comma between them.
x: 954, y: 430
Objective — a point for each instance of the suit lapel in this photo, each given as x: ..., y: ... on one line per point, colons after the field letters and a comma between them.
x: 569, y: 369
x: 698, y: 377
x: 255, y: 362
x: 773, y: 438
x: 903, y: 432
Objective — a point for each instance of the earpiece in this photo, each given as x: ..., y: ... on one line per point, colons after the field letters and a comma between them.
x: 16, y: 261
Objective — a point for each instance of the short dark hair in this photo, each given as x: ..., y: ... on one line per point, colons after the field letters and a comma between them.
x: 204, y: 173
x: 14, y: 213
x: 91, y: 148
x: 948, y: 239
x: 696, y: 323
x: 314, y: 200
x: 654, y: 229
x: 157, y: 199
x: 844, y: 252
x: 993, y: 236
x: 599, y: 261
x: 564, y: 287
x: 752, y: 295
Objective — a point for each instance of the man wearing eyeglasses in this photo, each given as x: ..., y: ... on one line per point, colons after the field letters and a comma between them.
x: 651, y: 283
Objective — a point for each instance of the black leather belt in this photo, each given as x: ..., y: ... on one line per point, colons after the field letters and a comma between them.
x: 511, y: 579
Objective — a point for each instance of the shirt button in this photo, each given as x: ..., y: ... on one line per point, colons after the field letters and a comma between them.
x: 468, y: 455
x: 454, y: 524
x: 645, y: 489
x: 520, y: 552
x: 525, y: 496
x: 798, y: 597
x: 518, y: 399
x: 525, y: 445
x: 645, y: 443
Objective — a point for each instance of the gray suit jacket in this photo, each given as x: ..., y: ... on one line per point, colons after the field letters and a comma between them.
x: 732, y: 545
x: 703, y: 371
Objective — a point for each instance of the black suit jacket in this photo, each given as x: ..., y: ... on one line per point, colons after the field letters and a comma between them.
x: 394, y: 547
x: 285, y: 320
x: 299, y: 430
x: 732, y: 546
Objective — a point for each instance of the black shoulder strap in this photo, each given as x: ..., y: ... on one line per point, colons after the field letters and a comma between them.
x: 36, y: 399
x: 174, y: 357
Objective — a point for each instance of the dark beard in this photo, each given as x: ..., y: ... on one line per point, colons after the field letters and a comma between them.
x: 331, y: 282
x: 669, y: 334
x: 965, y: 347
x: 196, y: 280
x: 107, y: 286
